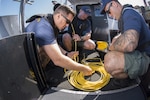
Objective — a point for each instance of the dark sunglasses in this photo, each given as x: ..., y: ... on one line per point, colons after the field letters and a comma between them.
x: 108, y: 11
x: 67, y: 20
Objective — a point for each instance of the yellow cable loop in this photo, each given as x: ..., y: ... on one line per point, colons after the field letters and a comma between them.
x: 77, y: 78
x: 75, y: 58
x: 73, y: 32
x: 102, y: 45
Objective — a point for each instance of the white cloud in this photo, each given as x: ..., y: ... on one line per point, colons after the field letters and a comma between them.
x: 133, y: 2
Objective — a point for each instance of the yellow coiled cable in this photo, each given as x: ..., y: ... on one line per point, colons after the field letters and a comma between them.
x: 102, y: 46
x: 78, y: 80
x: 76, y: 58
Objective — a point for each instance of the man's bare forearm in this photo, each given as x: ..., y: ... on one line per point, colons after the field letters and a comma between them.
x: 126, y: 42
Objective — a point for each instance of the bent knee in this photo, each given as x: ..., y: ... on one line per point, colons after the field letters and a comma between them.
x: 108, y: 62
x: 113, y: 61
x: 108, y: 67
x: 89, y: 46
x: 66, y: 36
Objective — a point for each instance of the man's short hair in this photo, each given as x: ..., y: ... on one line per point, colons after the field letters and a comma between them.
x: 65, y: 10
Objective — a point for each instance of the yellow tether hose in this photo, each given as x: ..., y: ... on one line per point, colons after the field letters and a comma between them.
x: 73, y: 32
x: 78, y: 80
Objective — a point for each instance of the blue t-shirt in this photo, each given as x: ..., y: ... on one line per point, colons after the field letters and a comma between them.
x: 43, y: 30
x: 133, y: 20
x: 81, y: 27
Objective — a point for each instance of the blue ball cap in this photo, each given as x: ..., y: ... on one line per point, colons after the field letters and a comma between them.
x: 103, y: 4
x: 86, y: 9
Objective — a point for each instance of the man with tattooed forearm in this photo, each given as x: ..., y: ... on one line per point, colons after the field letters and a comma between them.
x: 129, y: 52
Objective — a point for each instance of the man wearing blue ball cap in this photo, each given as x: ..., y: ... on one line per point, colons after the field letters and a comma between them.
x: 129, y: 52
x: 87, y: 10
x: 103, y: 4
x: 80, y: 31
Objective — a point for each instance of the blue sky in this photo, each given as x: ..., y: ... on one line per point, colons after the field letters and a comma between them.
x: 10, y: 7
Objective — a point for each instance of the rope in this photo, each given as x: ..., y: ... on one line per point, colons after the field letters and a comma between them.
x: 73, y: 32
x: 78, y: 80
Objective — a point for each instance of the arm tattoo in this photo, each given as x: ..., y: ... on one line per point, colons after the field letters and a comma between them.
x: 127, y: 41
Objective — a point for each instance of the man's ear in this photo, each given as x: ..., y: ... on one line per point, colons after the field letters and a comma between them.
x: 114, y: 4
x: 58, y: 15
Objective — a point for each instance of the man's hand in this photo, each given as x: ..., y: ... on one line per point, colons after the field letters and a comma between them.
x: 73, y: 54
x: 88, y: 71
x: 76, y: 37
x: 113, y: 40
